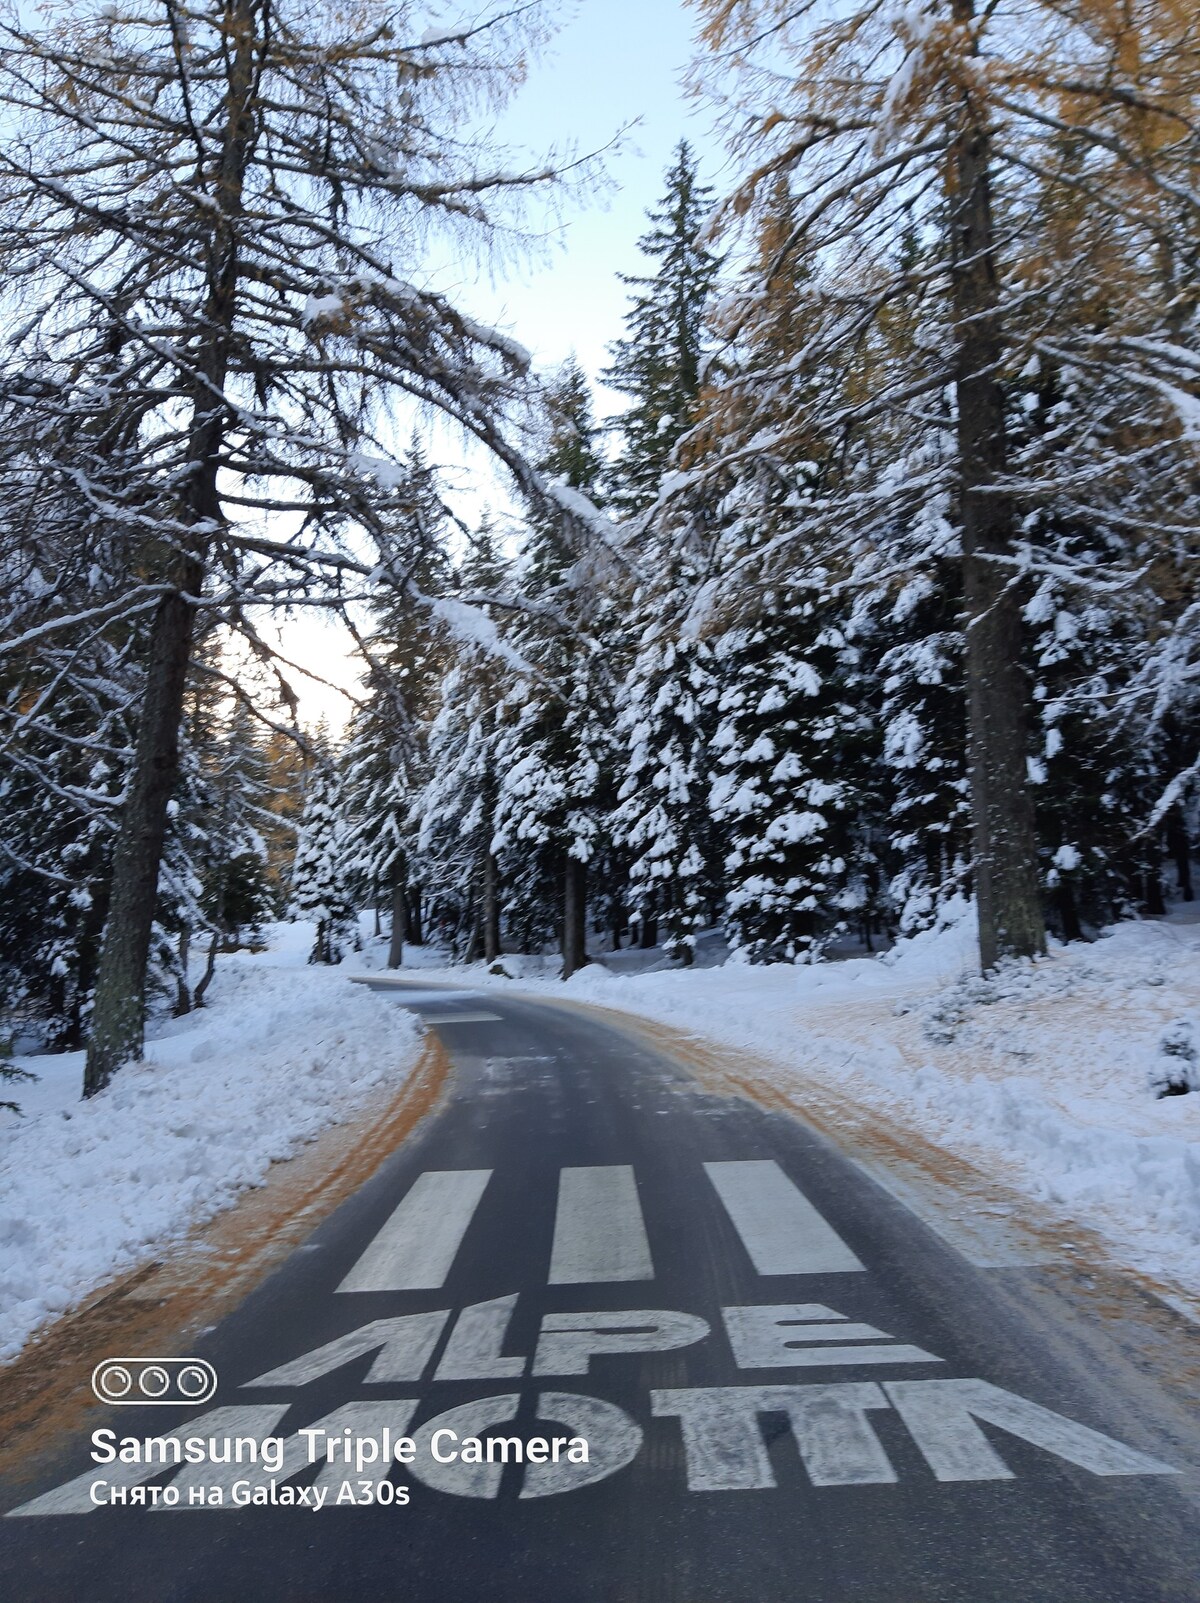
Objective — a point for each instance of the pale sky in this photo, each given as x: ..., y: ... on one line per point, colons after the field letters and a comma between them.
x: 612, y: 63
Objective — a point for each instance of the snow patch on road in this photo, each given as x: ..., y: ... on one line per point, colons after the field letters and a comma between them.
x: 89, y: 1190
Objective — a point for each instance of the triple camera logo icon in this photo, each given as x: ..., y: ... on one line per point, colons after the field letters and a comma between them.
x: 154, y: 1382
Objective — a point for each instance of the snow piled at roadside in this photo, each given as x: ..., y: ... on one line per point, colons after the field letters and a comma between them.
x: 88, y: 1190
x: 1044, y: 1077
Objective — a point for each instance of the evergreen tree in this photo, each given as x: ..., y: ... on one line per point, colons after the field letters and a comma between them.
x: 659, y: 363
x: 554, y: 739
x: 791, y: 719
x: 667, y: 706
x: 458, y: 804
x: 319, y: 881
x: 386, y: 762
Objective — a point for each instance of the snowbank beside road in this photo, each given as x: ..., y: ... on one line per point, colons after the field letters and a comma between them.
x: 1044, y: 1077
x: 90, y: 1189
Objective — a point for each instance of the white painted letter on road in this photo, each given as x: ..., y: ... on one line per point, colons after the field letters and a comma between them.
x: 723, y: 1439
x: 473, y: 1351
x: 568, y: 1342
x: 406, y: 1345
x: 613, y: 1440
x: 941, y: 1415
x: 789, y: 1336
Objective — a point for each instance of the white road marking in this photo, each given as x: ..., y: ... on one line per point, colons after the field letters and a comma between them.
x: 461, y: 1018
x: 473, y: 1351
x: 405, y: 1346
x: 361, y: 1419
x: 416, y: 995
x: 788, y: 1335
x: 364, y: 1421
x: 613, y: 1439
x: 74, y: 1496
x: 418, y: 1244
x: 941, y: 1415
x: 468, y: 1419
x: 723, y: 1436
x: 780, y: 1229
x: 599, y: 1232
x: 568, y: 1341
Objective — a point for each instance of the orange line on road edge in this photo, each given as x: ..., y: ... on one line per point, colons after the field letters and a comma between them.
x: 1154, y: 1327
x: 159, y: 1308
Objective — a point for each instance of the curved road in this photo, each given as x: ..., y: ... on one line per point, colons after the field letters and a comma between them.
x: 790, y: 1386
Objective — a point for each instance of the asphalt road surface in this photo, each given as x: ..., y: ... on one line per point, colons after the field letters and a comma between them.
x: 790, y: 1386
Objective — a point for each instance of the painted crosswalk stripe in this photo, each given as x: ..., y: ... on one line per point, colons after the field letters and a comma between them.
x: 599, y: 1233
x: 418, y: 1244
x: 780, y: 1229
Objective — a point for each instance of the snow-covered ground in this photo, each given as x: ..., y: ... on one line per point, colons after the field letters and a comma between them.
x: 1045, y: 1077
x: 90, y: 1189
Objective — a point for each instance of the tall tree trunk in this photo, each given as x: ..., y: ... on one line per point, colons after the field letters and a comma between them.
x: 118, y: 1015
x: 490, y: 910
x: 183, y: 996
x: 416, y: 930
x: 574, y: 928
x: 1180, y: 849
x: 1010, y: 911
x: 399, y: 924
x: 210, y: 968
x: 647, y: 932
x: 1068, y: 909
x: 1154, y: 892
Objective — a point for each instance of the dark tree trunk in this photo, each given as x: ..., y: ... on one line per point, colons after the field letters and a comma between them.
x: 1005, y: 855
x: 210, y: 969
x: 647, y: 933
x: 416, y: 933
x: 399, y: 925
x: 618, y: 920
x: 1068, y: 909
x: 574, y: 928
x: 117, y: 1016
x: 183, y: 996
x: 1154, y: 892
x: 490, y: 908
x: 1180, y: 849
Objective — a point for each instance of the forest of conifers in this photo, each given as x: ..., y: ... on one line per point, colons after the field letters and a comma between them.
x: 879, y: 593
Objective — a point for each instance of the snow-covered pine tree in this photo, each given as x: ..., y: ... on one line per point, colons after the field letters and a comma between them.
x: 319, y: 881
x: 236, y: 893
x: 66, y: 734
x: 916, y: 660
x: 662, y: 821
x: 378, y: 791
x: 793, y: 726
x: 788, y: 756
x: 406, y: 652
x: 659, y: 361
x: 554, y: 743
x: 457, y: 806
